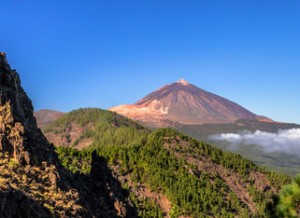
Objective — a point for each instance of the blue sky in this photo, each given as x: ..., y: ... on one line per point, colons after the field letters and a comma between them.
x: 73, y: 54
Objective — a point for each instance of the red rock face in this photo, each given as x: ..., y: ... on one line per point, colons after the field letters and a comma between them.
x: 183, y: 103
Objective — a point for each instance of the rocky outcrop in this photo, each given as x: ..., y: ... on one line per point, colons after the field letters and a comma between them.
x: 102, y: 192
x: 101, y: 174
x: 19, y: 134
x: 33, y: 182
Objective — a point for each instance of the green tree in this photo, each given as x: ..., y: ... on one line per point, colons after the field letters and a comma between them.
x: 289, y: 203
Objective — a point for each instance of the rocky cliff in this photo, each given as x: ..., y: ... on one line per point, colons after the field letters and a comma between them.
x: 19, y: 135
x: 33, y: 182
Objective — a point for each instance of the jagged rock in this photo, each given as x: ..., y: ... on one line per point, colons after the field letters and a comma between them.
x: 121, y: 208
x: 29, y: 163
x: 18, y: 130
x: 53, y: 179
x: 3, y: 62
x: 106, y: 183
x: 96, y: 166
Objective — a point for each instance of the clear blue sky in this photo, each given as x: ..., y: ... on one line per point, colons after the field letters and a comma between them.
x: 73, y: 54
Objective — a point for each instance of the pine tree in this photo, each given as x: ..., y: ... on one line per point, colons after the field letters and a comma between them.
x: 289, y: 203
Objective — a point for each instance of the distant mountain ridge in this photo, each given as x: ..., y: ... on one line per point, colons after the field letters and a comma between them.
x: 184, y: 103
x: 44, y: 117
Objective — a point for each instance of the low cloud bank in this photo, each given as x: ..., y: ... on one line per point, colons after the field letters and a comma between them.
x: 287, y: 141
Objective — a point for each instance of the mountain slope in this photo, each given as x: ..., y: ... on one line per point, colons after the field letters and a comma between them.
x: 167, y: 174
x: 92, y: 126
x: 184, y: 103
x: 172, y: 175
x: 44, y: 117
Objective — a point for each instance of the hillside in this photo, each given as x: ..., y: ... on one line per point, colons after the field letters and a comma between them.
x: 44, y: 117
x: 184, y: 103
x: 167, y: 174
x: 91, y: 126
x: 172, y: 175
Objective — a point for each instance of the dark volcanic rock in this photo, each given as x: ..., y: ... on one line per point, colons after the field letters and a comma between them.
x: 15, y: 204
x: 19, y: 134
x: 33, y: 181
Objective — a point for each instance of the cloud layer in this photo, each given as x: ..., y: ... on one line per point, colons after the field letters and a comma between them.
x: 287, y: 141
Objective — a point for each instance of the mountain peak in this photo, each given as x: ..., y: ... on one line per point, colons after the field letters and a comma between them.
x: 183, y: 103
x: 183, y: 82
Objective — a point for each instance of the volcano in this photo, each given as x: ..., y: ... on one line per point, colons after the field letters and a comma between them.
x: 183, y: 103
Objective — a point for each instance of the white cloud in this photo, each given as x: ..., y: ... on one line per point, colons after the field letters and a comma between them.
x: 287, y: 141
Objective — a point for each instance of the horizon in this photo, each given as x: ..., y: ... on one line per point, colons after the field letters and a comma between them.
x: 104, y: 54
